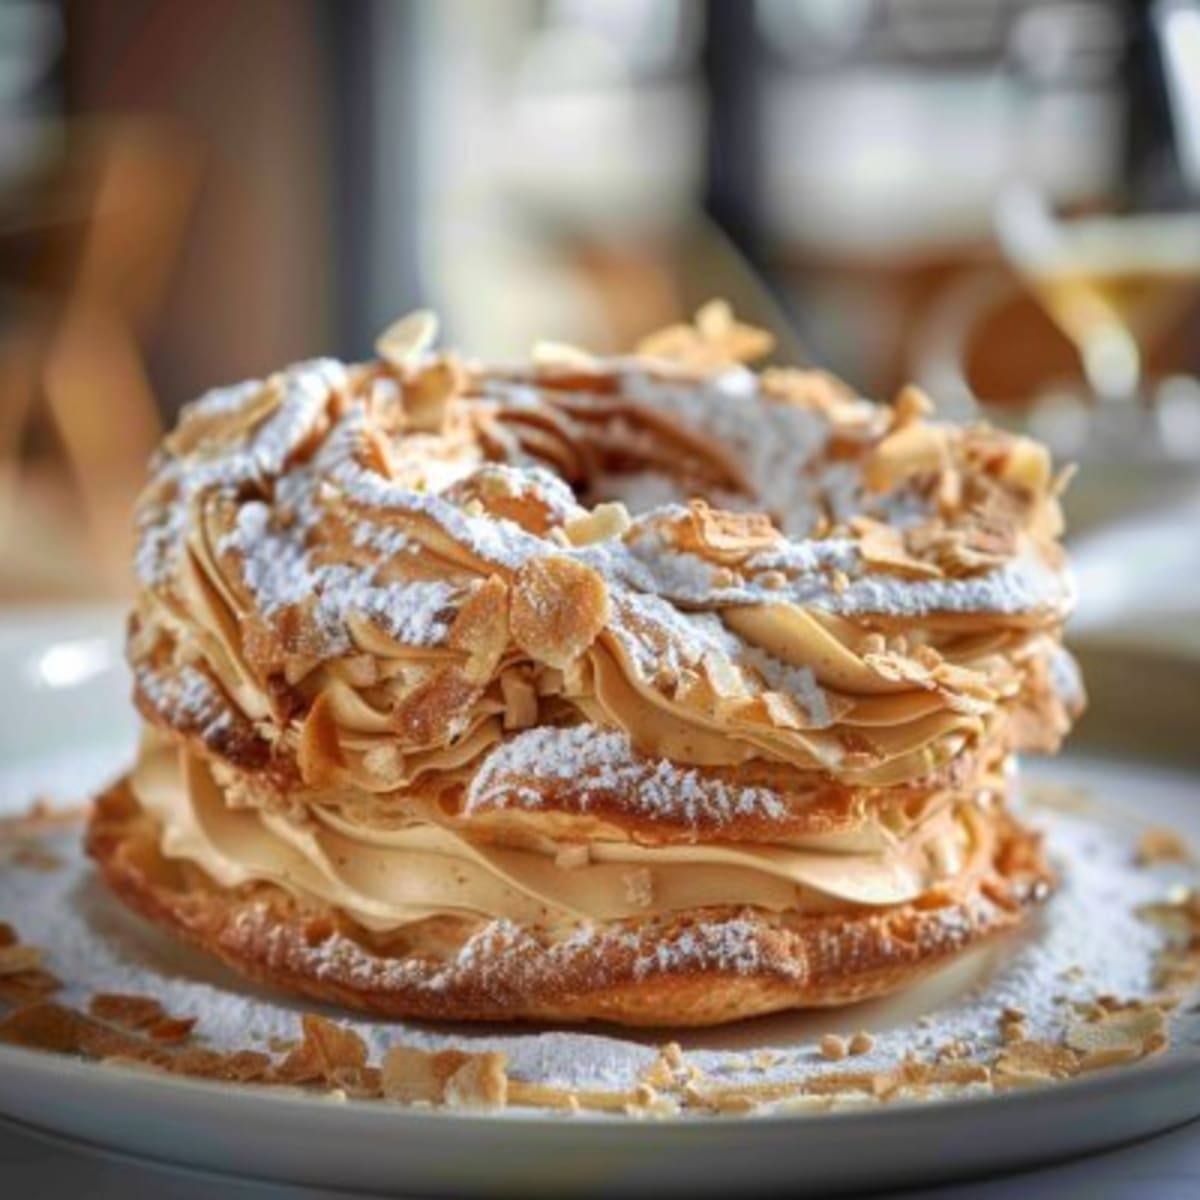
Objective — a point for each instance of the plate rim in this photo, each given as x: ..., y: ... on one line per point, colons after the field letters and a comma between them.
x: 1131, y: 1077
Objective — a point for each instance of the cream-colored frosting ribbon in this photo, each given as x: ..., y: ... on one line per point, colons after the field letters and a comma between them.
x: 385, y: 879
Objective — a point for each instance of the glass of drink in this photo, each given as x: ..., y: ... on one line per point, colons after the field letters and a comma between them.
x: 1114, y: 285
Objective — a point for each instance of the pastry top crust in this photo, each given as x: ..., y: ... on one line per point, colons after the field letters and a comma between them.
x: 383, y: 584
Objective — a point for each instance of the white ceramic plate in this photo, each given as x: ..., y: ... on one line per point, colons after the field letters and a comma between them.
x: 66, y: 697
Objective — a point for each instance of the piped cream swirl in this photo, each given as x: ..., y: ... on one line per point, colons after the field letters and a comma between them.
x: 385, y: 879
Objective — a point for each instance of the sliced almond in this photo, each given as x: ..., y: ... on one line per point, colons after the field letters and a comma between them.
x: 604, y: 523
x: 427, y: 396
x: 520, y: 700
x: 418, y: 1076
x: 327, y: 1049
x: 1126, y: 1029
x: 481, y: 629
x: 1025, y: 1063
x: 563, y: 354
x: 558, y: 608
x: 1159, y: 845
x: 481, y: 1082
x: 883, y: 547
x: 916, y: 449
x: 725, y: 678
x: 319, y: 754
x: 715, y: 339
x: 384, y: 763
x: 453, y: 1077
x: 722, y: 537
x: 19, y: 958
x: 911, y: 405
x: 408, y: 337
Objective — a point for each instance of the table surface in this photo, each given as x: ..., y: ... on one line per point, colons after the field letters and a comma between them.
x: 1166, y: 1167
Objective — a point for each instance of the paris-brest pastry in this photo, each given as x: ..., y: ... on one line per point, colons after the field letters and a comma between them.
x: 645, y: 689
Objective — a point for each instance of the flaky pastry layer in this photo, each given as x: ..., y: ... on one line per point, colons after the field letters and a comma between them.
x: 700, y: 968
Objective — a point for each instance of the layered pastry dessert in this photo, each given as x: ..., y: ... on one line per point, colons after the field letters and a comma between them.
x: 647, y: 689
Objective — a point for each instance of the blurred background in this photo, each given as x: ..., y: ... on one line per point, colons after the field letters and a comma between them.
x: 997, y: 198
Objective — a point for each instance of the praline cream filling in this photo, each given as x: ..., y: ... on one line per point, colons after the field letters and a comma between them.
x: 385, y: 879
x: 911, y: 729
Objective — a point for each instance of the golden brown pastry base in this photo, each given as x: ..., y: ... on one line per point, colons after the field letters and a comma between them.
x: 703, y: 968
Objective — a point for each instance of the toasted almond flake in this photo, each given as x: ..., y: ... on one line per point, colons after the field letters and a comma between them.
x: 412, y: 1076
x: 1109, y: 1056
x: 427, y: 396
x: 408, y: 337
x: 1121, y: 1029
x: 861, y: 1043
x: 725, y: 678
x: 883, y: 547
x: 1027, y: 1062
x: 913, y: 450
x: 660, y: 1073
x: 319, y: 754
x: 480, y: 1083
x: 604, y: 523
x: 716, y: 535
x: 911, y: 405
x: 481, y: 629
x: 18, y: 958
x: 558, y: 607
x: 1160, y: 845
x: 563, y: 354
x: 326, y: 1049
x: 26, y: 987
x: 384, y: 762
x: 452, y: 1077
x: 126, y: 1009
x: 833, y: 1047
x: 44, y: 1025
x: 170, y: 1031
x: 520, y: 700
x: 782, y: 711
x: 1027, y: 463
x: 716, y: 339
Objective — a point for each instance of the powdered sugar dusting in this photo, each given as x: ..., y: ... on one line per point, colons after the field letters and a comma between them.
x: 597, y: 763
x: 666, y: 599
x: 186, y: 699
x: 1068, y: 956
x: 800, y: 683
x: 780, y: 449
x: 775, y: 444
x: 306, y: 389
